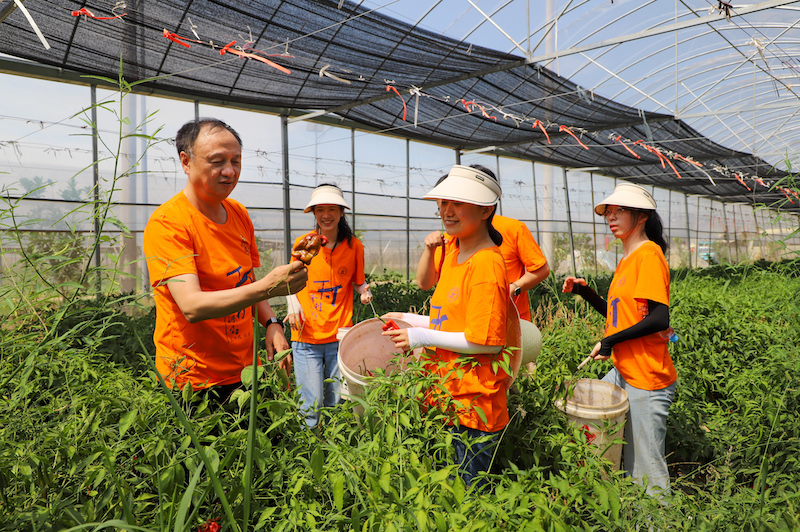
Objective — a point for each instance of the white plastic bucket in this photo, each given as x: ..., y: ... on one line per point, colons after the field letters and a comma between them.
x: 531, y: 342
x: 599, y: 409
x: 363, y: 351
x: 341, y: 332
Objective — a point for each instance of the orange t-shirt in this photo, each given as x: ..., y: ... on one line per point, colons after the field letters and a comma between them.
x: 327, y: 299
x: 178, y: 240
x: 473, y: 298
x: 520, y: 252
x: 643, y: 362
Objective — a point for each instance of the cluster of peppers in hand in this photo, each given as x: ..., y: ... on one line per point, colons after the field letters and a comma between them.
x: 308, y: 247
x: 390, y: 325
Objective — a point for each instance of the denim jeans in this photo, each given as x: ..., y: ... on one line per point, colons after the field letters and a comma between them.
x: 313, y: 364
x: 473, y: 457
x: 646, y: 433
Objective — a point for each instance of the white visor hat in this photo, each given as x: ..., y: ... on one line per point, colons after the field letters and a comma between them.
x: 628, y: 195
x: 326, y: 195
x: 467, y: 185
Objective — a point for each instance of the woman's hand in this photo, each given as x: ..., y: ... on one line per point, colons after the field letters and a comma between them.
x: 594, y: 354
x: 295, y: 319
x: 398, y: 336
x: 366, y: 295
x: 393, y: 316
x: 569, y: 282
x: 434, y: 240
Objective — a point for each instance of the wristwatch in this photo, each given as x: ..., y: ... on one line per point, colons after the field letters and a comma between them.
x: 272, y: 320
x: 517, y: 289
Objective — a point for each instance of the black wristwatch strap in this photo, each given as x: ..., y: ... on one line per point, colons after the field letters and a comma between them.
x: 273, y: 320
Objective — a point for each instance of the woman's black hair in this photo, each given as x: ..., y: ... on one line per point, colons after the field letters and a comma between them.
x: 654, y: 228
x: 344, y: 231
x: 494, y: 234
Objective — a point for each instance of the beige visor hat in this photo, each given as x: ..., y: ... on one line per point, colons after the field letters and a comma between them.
x: 467, y: 185
x: 326, y: 195
x: 628, y: 195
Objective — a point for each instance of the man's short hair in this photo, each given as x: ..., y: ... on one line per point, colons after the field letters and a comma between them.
x: 187, y: 134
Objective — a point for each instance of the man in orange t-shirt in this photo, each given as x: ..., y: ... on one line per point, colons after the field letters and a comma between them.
x: 201, y: 254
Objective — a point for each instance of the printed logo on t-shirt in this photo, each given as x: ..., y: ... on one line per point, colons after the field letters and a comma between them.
x: 454, y: 294
x: 440, y: 318
x: 342, y: 271
x: 614, y: 302
x: 326, y: 291
x: 243, y: 277
x: 233, y: 325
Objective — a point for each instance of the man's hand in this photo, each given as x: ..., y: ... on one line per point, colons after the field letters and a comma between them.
x: 275, y: 343
x: 286, y: 279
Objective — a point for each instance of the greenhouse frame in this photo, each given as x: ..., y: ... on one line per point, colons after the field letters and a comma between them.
x: 383, y: 107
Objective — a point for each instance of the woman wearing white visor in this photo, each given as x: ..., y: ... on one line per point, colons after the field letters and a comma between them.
x: 326, y: 303
x: 636, y: 333
x: 466, y: 329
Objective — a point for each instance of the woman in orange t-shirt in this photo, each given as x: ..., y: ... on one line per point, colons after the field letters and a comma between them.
x: 637, y: 330
x: 526, y: 265
x: 468, y: 319
x: 326, y: 303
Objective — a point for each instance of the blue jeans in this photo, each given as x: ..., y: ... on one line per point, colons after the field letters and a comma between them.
x: 646, y: 433
x: 313, y: 365
x: 473, y: 457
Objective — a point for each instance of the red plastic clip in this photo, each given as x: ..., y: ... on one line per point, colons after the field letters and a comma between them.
x: 541, y: 126
x: 405, y: 107
x: 568, y: 130
x: 626, y: 147
x: 86, y: 12
x: 176, y: 38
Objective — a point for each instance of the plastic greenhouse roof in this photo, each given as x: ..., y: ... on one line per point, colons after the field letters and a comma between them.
x: 690, y: 95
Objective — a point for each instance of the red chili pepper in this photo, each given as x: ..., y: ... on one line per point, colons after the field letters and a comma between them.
x: 390, y: 326
x: 209, y: 526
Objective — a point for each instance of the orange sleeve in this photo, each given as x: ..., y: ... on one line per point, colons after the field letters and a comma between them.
x: 653, y: 280
x: 169, y: 250
x: 529, y: 252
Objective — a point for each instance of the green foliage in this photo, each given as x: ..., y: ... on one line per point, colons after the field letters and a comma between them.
x: 88, y: 437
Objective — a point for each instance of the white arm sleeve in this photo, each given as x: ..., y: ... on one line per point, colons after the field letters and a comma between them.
x: 416, y: 320
x: 360, y: 287
x: 293, y: 305
x: 454, y: 341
